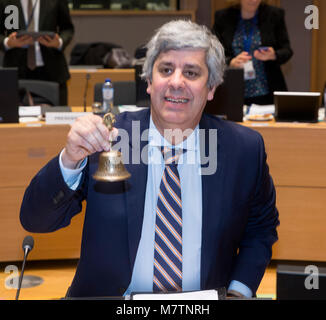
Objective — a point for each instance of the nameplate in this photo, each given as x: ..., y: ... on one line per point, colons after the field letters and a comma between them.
x: 63, y: 117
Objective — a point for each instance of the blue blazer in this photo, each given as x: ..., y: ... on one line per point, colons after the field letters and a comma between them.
x: 238, y: 224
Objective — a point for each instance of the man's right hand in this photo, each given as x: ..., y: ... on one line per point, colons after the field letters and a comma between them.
x: 19, y: 42
x: 87, y: 135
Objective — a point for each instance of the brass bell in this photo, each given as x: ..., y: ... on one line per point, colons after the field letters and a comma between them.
x: 111, y: 167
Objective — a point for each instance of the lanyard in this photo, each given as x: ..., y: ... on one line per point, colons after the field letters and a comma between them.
x: 247, y: 38
x: 30, y: 18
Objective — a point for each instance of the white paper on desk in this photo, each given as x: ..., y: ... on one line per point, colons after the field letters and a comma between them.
x: 192, y: 295
x: 261, y: 110
x: 29, y: 111
x: 28, y: 119
x: 321, y: 114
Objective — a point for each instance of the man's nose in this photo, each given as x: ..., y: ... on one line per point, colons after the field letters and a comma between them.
x: 176, y: 80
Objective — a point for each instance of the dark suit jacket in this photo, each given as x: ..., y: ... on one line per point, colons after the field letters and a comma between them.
x: 54, y: 16
x: 238, y: 223
x: 274, y: 34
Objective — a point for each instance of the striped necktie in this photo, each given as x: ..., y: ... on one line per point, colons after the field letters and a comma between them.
x: 168, y: 228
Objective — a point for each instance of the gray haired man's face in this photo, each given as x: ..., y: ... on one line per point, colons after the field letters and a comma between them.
x: 179, y: 89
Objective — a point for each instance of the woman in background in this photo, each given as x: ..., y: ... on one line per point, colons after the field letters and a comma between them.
x: 255, y: 38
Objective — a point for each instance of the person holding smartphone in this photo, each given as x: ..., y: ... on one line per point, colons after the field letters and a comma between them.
x: 255, y: 38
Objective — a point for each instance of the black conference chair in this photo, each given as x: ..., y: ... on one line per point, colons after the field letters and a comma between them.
x: 229, y: 97
x: 91, y: 53
x: 43, y: 92
x: 124, y: 93
x: 143, y: 99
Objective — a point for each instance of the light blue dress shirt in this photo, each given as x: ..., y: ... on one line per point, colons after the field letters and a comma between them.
x: 191, y: 195
x: 190, y: 179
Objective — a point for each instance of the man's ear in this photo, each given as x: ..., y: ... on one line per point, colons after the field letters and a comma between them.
x: 149, y: 86
x: 211, y: 92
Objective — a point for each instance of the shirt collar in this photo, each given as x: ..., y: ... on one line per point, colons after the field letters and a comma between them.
x: 155, y: 139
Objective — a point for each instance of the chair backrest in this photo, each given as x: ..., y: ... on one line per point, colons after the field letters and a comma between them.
x: 229, y: 97
x: 9, y: 98
x: 143, y: 99
x: 124, y: 93
x: 91, y: 53
x: 42, y: 90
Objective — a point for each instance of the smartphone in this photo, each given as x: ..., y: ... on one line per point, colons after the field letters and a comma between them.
x: 263, y: 48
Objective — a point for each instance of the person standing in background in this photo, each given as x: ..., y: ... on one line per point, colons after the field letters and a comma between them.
x: 255, y: 38
x: 42, y: 59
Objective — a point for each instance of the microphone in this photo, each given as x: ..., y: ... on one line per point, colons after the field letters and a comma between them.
x: 28, y: 245
x: 88, y: 76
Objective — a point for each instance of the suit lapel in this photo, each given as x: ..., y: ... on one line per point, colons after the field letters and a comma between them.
x: 136, y: 187
x: 211, y: 190
x: 42, y: 13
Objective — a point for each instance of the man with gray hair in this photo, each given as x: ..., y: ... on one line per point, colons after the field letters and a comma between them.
x: 174, y: 225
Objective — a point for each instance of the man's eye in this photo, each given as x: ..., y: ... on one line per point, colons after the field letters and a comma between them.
x: 166, y: 71
x: 191, y: 74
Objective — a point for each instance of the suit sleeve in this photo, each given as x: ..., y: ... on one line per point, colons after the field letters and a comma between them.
x: 217, y: 26
x: 255, y: 250
x: 48, y: 203
x: 283, y: 50
x: 222, y: 31
x: 65, y: 25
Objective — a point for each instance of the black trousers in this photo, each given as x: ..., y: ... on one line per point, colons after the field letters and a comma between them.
x: 39, y: 73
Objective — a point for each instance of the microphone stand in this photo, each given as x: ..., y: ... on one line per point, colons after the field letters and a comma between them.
x: 85, y: 92
x: 26, y: 252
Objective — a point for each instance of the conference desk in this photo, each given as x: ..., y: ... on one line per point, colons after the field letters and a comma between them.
x: 297, y: 160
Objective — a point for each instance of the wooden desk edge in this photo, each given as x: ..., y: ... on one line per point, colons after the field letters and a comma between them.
x: 252, y: 125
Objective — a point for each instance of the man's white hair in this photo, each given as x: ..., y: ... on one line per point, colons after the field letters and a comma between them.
x: 184, y: 34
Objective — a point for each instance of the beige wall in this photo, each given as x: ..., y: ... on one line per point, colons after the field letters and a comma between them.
x: 128, y: 29
x: 298, y: 70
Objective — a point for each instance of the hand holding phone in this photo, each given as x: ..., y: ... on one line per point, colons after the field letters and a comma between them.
x: 15, y: 41
x: 265, y: 54
x: 263, y: 49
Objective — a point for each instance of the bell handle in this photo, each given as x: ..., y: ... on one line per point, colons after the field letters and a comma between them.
x: 109, y: 121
